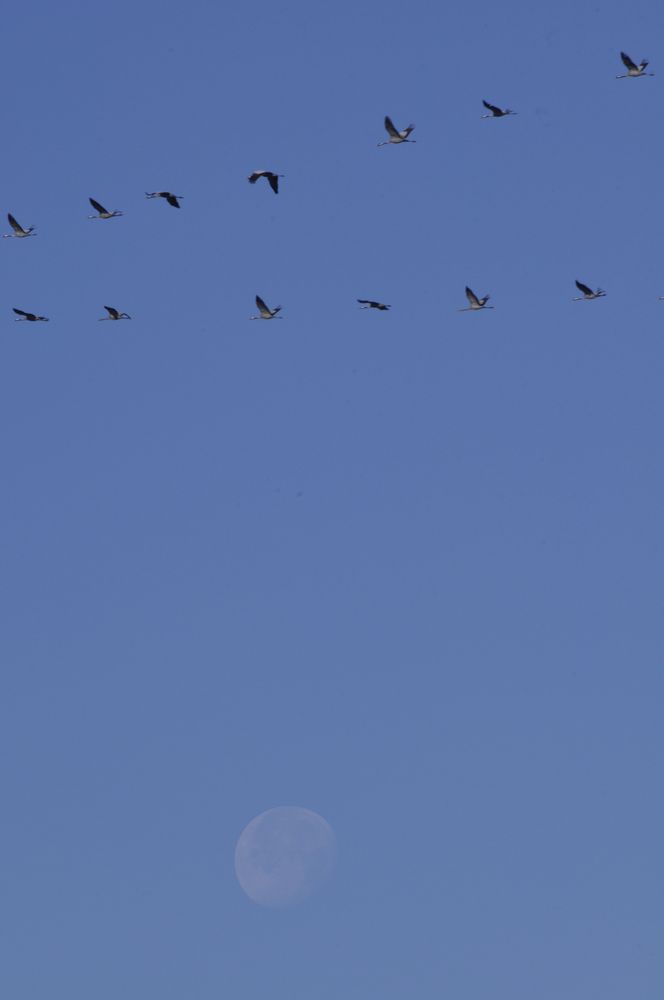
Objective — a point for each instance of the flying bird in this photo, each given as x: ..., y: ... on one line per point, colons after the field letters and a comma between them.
x: 496, y: 112
x: 29, y: 317
x: 113, y: 314
x: 265, y: 311
x: 474, y: 302
x: 586, y: 292
x: 395, y: 135
x: 19, y: 231
x: 632, y: 68
x: 172, y: 199
x: 272, y: 179
x: 102, y: 213
x: 370, y: 304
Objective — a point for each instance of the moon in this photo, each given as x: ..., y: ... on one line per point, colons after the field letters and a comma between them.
x: 284, y: 855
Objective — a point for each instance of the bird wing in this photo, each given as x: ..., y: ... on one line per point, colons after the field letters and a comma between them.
x: 492, y: 108
x: 19, y: 312
x: 390, y: 128
x: 172, y: 200
x: 97, y: 207
x: 472, y: 298
x: 273, y: 181
x: 262, y: 308
x: 584, y: 288
x: 627, y: 61
x: 367, y: 302
x: 14, y: 224
x: 113, y: 313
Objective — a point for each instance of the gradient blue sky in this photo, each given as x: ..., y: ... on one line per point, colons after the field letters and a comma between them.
x: 404, y: 569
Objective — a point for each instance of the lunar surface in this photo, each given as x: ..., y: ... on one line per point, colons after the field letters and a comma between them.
x: 284, y: 855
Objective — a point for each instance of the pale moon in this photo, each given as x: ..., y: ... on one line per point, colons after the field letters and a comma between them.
x: 284, y: 855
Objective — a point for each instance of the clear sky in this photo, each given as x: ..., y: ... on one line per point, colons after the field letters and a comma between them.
x: 403, y: 569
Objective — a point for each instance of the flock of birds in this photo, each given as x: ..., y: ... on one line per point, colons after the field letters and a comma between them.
x: 395, y: 137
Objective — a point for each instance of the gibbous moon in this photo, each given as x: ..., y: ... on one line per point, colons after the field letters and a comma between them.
x: 284, y: 855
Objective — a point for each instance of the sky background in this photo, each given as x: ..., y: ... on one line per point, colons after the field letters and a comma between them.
x: 403, y: 569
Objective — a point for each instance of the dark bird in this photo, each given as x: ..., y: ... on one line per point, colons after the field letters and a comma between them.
x: 19, y: 231
x: 370, y: 304
x: 113, y: 314
x: 265, y: 311
x: 632, y: 68
x: 29, y: 317
x: 272, y: 179
x: 586, y: 292
x: 395, y: 135
x: 172, y: 199
x: 496, y: 112
x: 474, y: 302
x: 102, y: 213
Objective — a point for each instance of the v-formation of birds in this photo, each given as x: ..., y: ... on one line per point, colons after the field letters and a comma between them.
x: 395, y: 137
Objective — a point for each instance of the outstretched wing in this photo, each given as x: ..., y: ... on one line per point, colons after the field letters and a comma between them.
x: 19, y: 312
x: 583, y: 288
x: 97, y: 207
x: 262, y: 308
x: 492, y: 108
x: 172, y: 199
x: 389, y: 127
x: 113, y: 313
x: 628, y: 62
x: 472, y: 298
x: 14, y: 224
x: 273, y: 181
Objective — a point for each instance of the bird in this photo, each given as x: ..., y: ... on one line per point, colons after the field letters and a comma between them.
x: 29, y: 317
x: 586, y: 292
x: 113, y: 314
x: 496, y: 112
x: 632, y: 68
x: 370, y: 304
x: 102, y: 213
x: 272, y: 179
x: 395, y: 135
x: 172, y: 199
x: 19, y: 231
x: 474, y: 302
x: 265, y: 311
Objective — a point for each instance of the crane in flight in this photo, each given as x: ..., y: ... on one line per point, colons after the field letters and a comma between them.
x: 264, y: 311
x: 271, y: 178
x: 632, y: 68
x: 19, y: 231
x: 370, y: 304
x: 395, y: 135
x: 102, y: 213
x: 113, y: 314
x: 26, y: 317
x: 495, y: 112
x: 474, y: 302
x: 172, y: 199
x: 587, y: 293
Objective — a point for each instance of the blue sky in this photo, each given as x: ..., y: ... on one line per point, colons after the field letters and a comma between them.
x: 403, y: 569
